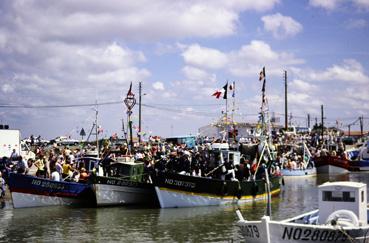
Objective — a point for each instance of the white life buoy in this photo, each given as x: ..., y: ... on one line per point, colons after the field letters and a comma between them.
x: 343, y: 217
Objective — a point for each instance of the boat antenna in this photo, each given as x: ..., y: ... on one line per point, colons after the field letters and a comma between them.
x: 285, y: 102
x: 97, y: 129
x: 226, y: 113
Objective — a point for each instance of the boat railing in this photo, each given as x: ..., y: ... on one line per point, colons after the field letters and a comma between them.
x: 301, y: 216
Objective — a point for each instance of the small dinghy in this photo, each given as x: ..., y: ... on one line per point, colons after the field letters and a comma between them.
x: 341, y: 217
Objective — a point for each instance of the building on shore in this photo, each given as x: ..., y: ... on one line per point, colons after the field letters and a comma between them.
x: 241, y: 129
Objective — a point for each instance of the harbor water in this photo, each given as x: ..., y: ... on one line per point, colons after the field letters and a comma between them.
x: 137, y: 224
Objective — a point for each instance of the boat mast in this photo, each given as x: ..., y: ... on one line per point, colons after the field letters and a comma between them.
x: 226, y: 120
x: 285, y: 102
x: 233, y: 109
x: 97, y: 130
x: 139, y: 111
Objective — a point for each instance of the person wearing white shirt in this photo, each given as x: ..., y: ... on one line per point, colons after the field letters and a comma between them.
x: 55, y: 176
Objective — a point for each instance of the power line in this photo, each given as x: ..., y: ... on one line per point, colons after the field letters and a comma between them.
x: 58, y: 106
x: 165, y: 107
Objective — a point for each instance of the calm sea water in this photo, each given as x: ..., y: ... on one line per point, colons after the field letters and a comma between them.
x: 132, y: 224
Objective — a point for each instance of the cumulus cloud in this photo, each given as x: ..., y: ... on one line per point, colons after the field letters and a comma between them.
x: 195, y: 74
x: 334, y: 4
x: 350, y: 71
x: 88, y: 21
x: 158, y: 86
x: 250, y: 58
x: 326, y: 4
x: 197, y: 55
x: 245, y: 61
x: 7, y: 88
x: 281, y: 26
x: 302, y: 86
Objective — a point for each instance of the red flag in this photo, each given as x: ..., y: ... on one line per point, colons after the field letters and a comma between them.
x: 217, y: 94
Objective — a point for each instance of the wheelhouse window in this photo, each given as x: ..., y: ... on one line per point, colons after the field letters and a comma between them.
x: 339, y: 196
x: 362, y: 196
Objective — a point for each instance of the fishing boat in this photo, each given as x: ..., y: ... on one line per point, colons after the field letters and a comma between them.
x: 354, y: 159
x: 331, y: 164
x: 30, y: 191
x: 176, y: 190
x: 341, y: 217
x: 297, y: 161
x: 120, y: 182
x: 358, y: 158
x: 124, y: 184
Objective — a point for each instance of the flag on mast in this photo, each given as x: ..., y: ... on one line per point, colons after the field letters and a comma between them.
x: 225, y: 88
x: 233, y: 88
x: 218, y: 93
x: 262, y: 76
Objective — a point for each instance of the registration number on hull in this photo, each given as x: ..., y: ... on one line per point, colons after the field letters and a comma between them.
x: 313, y: 235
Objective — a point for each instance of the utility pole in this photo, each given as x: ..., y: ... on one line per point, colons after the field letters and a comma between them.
x: 361, y: 119
x: 285, y: 102
x: 139, y: 111
x: 322, y: 110
x: 308, y: 120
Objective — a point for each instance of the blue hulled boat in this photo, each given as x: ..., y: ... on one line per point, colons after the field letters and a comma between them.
x: 31, y: 191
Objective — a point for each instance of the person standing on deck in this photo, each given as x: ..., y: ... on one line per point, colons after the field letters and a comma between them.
x: 55, y: 176
x: 14, y: 155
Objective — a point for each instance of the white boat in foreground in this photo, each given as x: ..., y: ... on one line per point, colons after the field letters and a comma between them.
x: 341, y: 217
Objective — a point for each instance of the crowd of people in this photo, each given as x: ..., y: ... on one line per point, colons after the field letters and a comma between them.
x: 61, y: 162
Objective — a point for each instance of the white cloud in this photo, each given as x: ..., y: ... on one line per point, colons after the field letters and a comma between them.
x: 195, y: 73
x: 350, y: 71
x: 7, y: 88
x: 204, y: 57
x: 249, y: 59
x: 326, y: 4
x: 334, y: 4
x: 281, y: 26
x: 158, y: 86
x: 302, y: 86
x: 245, y: 62
x: 88, y: 21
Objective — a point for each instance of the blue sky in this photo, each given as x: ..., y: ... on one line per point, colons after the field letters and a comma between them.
x: 76, y: 52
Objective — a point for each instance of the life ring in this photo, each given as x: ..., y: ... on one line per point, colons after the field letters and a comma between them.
x: 343, y: 217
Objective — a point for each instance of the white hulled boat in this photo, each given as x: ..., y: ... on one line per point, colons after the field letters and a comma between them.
x: 341, y: 217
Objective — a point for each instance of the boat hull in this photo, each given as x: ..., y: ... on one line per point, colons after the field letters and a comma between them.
x: 115, y: 191
x: 331, y: 165
x: 27, y: 200
x: 30, y: 191
x: 306, y: 172
x: 179, y: 199
x: 331, y: 169
x: 175, y: 191
x: 359, y: 165
x: 279, y: 231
